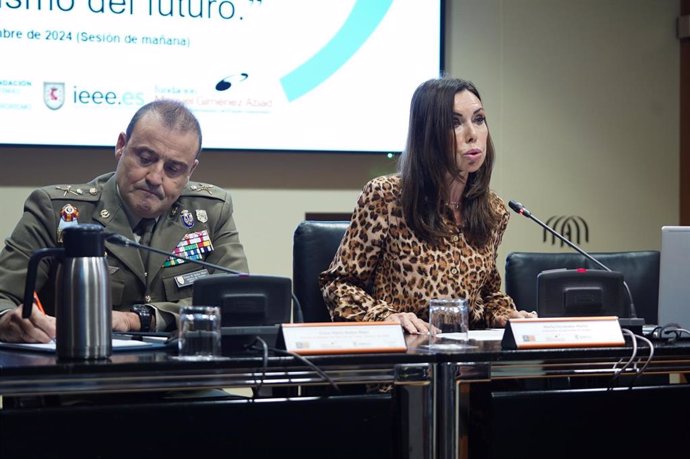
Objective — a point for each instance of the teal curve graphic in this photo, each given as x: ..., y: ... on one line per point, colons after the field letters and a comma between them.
x: 365, y: 16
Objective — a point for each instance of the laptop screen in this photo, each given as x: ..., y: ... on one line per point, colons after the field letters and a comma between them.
x: 674, y: 276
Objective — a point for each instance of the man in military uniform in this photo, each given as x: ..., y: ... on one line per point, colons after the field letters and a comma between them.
x: 155, y: 156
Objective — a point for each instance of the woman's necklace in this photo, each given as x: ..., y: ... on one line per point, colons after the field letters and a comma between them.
x: 456, y: 205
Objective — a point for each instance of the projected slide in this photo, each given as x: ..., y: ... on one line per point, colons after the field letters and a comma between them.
x: 296, y: 75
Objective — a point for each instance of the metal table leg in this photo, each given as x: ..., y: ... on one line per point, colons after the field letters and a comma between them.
x: 414, y: 395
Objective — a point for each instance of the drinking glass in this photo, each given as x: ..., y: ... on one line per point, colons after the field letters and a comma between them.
x: 200, y: 333
x: 449, y: 317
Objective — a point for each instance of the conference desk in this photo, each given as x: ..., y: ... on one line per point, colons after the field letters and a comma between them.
x: 561, y: 403
x: 148, y: 404
x: 479, y: 401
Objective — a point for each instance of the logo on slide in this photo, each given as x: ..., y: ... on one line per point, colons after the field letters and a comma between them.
x: 228, y: 81
x: 54, y: 95
x: 574, y: 228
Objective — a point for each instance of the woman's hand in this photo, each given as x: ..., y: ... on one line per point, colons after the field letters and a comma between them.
x: 502, y: 321
x: 410, y: 323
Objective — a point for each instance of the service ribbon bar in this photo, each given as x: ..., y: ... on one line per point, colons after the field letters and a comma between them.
x: 193, y: 246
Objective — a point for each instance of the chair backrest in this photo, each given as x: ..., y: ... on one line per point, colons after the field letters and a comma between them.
x: 313, y: 249
x: 640, y: 271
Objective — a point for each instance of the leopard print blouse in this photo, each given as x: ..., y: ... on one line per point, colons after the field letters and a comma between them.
x: 382, y: 268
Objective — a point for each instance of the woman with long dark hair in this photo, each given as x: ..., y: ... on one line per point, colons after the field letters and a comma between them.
x: 431, y: 230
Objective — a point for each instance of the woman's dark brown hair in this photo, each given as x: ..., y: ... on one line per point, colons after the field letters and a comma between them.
x: 429, y: 156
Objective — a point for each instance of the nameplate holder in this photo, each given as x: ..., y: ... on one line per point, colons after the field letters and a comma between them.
x: 557, y: 332
x: 316, y: 338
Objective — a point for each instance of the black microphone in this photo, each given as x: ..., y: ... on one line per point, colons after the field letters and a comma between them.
x: 120, y: 240
x: 522, y: 210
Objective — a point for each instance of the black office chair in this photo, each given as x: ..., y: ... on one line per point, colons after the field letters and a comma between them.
x: 314, y: 245
x: 640, y: 271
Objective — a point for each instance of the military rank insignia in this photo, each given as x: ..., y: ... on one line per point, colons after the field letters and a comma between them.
x: 69, y: 215
x: 192, y: 246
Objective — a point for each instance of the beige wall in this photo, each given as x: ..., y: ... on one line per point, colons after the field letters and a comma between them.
x: 582, y: 100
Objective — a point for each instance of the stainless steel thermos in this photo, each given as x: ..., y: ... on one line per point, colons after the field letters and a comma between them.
x: 83, y: 310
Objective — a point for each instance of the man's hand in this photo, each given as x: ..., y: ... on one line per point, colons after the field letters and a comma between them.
x: 125, y: 321
x: 38, y: 328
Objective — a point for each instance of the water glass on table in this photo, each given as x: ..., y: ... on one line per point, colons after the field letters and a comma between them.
x: 200, y: 334
x: 450, y: 317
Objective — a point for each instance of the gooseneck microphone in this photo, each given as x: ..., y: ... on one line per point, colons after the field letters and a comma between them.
x: 522, y: 210
x: 120, y: 240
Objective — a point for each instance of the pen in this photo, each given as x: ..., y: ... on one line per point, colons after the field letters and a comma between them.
x: 38, y: 303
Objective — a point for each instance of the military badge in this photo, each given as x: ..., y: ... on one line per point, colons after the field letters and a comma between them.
x: 69, y: 215
x: 203, y: 187
x: 67, y: 189
x: 201, y: 215
x: 187, y: 218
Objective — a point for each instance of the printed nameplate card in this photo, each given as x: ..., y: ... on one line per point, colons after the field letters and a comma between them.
x: 343, y: 337
x: 562, y: 332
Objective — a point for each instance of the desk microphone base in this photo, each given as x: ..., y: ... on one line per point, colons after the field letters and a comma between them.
x: 237, y: 340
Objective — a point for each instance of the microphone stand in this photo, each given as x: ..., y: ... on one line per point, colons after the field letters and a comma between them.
x: 120, y: 240
x: 526, y: 213
x: 522, y: 210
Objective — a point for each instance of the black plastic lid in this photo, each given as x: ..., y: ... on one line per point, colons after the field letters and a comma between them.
x: 84, y: 240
